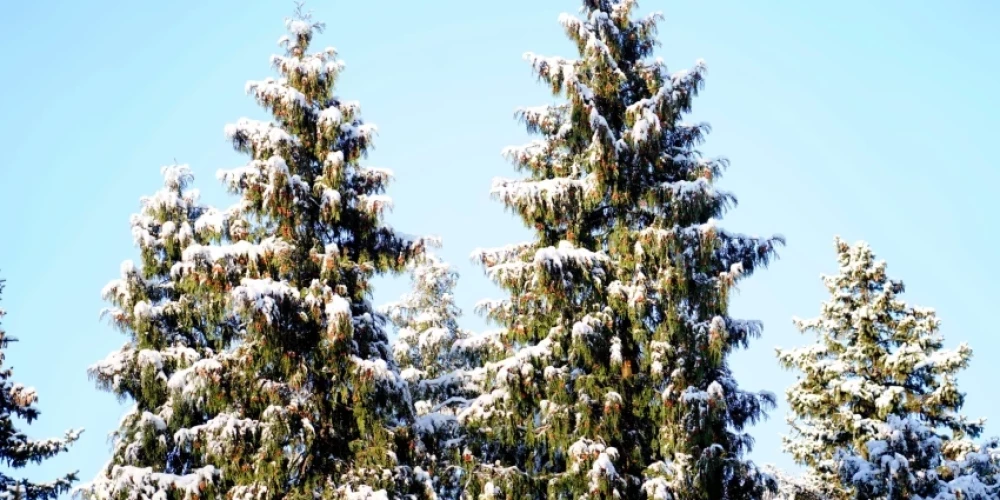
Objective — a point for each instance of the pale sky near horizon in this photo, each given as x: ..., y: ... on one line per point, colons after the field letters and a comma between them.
x: 866, y: 119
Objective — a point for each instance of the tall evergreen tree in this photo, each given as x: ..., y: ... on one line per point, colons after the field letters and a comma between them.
x: 443, y: 366
x: 17, y: 450
x: 620, y: 386
x: 876, y: 409
x: 304, y: 401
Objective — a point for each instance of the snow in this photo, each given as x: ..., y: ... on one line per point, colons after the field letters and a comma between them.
x: 478, y: 341
x: 377, y: 174
x: 155, y: 421
x: 299, y: 27
x: 537, y: 197
x: 270, y: 91
x: 603, y: 467
x: 113, y: 369
x: 688, y: 189
x: 484, y: 406
x: 715, y: 391
x: 901, y: 445
x: 645, y: 124
x: 432, y: 337
x: 377, y: 369
x: 185, y: 233
x: 176, y: 177
x: 338, y: 307
x: 270, y: 246
x: 657, y: 488
x: 435, y: 355
x: 358, y: 131
x: 491, y: 491
x: 433, y: 422
x: 331, y: 117
x: 271, y: 176
x: 363, y: 493
x: 217, y: 260
x: 192, y: 378
x: 583, y: 329
x: 658, y: 354
x: 692, y: 394
x: 220, y: 434
x: 613, y: 397
x: 616, y: 351
x: 263, y: 296
x: 806, y: 485
x: 142, y: 309
x: 139, y: 482
x: 212, y: 220
x: 375, y: 204
x: 534, y: 154
x: 322, y: 67
x: 557, y: 257
x: 493, y: 256
x: 21, y: 395
x: 546, y: 119
x: 263, y: 136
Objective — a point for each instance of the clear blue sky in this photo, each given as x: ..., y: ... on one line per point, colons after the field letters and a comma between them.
x: 873, y: 120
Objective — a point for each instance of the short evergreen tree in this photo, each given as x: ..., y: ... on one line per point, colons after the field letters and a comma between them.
x: 174, y: 326
x: 620, y: 385
x: 304, y: 401
x: 875, y: 411
x: 16, y: 449
x: 905, y: 459
x: 804, y: 487
x: 443, y: 366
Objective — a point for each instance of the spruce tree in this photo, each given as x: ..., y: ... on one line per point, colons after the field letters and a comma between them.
x: 804, y: 487
x: 17, y: 450
x: 876, y: 409
x: 620, y: 385
x: 173, y: 326
x: 906, y: 459
x: 304, y: 399
x: 443, y: 366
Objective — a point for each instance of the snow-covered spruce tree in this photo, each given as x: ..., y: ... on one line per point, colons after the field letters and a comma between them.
x: 905, y: 459
x: 306, y: 401
x: 803, y: 487
x: 875, y: 411
x: 172, y: 325
x: 620, y: 385
x: 443, y: 365
x: 16, y: 449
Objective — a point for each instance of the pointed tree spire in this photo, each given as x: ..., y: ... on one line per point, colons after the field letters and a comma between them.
x: 173, y: 326
x: 876, y: 409
x: 803, y: 487
x: 17, y: 450
x: 443, y: 366
x: 618, y: 308
x: 295, y: 393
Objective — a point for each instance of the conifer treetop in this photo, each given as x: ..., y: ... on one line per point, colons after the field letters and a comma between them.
x: 173, y: 328
x: 877, y: 403
x: 802, y: 487
x: 443, y: 367
x: 618, y: 383
x: 257, y: 363
x: 876, y: 355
